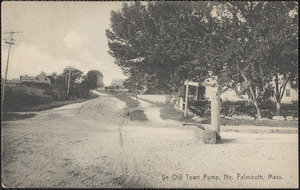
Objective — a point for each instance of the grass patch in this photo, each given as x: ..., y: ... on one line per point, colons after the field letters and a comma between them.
x: 15, y: 116
x: 132, y: 109
x: 128, y: 100
x: 54, y: 104
x: 30, y: 98
x: 51, y: 105
x: 168, y: 112
x: 137, y: 115
x: 158, y: 104
x: 256, y: 122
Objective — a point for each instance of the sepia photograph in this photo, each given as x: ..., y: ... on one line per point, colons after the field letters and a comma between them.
x: 149, y: 94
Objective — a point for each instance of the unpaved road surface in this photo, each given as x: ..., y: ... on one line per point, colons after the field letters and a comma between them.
x: 91, y: 144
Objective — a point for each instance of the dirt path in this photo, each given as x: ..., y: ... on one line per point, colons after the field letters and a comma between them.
x: 91, y: 144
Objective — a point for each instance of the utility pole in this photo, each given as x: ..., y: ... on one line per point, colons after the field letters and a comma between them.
x: 69, y: 69
x: 10, y: 43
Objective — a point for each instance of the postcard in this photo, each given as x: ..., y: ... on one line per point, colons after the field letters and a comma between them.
x: 121, y: 94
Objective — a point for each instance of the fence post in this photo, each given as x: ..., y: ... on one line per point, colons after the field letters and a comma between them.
x: 186, y: 98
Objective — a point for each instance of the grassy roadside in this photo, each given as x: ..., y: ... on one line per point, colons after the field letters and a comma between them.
x: 132, y: 110
x: 158, y: 104
x: 55, y: 104
x: 12, y: 116
x: 15, y: 116
x: 168, y: 112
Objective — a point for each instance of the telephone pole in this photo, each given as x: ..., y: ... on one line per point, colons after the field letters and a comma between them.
x: 69, y: 69
x: 10, y: 43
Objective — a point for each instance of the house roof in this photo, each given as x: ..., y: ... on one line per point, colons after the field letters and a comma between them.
x: 13, y: 81
x: 26, y: 77
x: 41, y: 74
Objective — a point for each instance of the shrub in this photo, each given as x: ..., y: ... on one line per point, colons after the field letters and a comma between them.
x: 137, y: 115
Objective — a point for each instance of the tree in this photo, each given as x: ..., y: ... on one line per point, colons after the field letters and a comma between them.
x: 283, y: 55
x: 93, y: 79
x: 52, y: 77
x: 241, y: 44
x: 135, y: 82
x: 117, y: 82
x: 153, y: 40
x: 61, y: 83
x: 169, y: 42
x: 275, y: 33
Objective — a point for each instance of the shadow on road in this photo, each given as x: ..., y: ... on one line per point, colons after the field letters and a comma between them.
x: 227, y: 141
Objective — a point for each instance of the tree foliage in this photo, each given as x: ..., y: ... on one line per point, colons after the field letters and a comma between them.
x: 246, y: 44
x: 93, y: 79
x: 80, y: 84
x: 262, y: 45
x: 153, y: 40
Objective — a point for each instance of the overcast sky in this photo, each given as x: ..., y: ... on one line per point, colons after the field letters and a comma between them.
x: 58, y: 34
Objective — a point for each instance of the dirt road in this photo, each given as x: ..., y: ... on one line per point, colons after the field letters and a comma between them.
x: 91, y: 144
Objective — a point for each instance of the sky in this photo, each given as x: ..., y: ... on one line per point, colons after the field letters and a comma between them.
x: 56, y: 35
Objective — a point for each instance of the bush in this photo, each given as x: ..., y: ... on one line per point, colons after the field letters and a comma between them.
x: 36, y: 85
x: 241, y: 103
x: 268, y: 104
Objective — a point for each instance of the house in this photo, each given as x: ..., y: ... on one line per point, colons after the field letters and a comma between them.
x: 26, y: 78
x: 205, y: 90
x: 39, y: 79
x: 290, y: 94
x: 42, y: 78
x: 13, y: 82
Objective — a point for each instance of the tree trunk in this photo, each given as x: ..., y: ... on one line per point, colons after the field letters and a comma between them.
x: 278, y: 108
x: 279, y: 92
x: 254, y: 98
x: 259, y: 116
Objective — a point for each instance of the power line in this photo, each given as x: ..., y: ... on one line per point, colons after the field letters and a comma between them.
x: 9, y: 39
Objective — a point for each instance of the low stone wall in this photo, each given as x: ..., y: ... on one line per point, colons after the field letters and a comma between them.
x: 154, y: 98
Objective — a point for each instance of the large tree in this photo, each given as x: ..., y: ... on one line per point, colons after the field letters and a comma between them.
x: 93, y: 79
x: 281, y: 28
x: 247, y: 39
x: 155, y: 40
